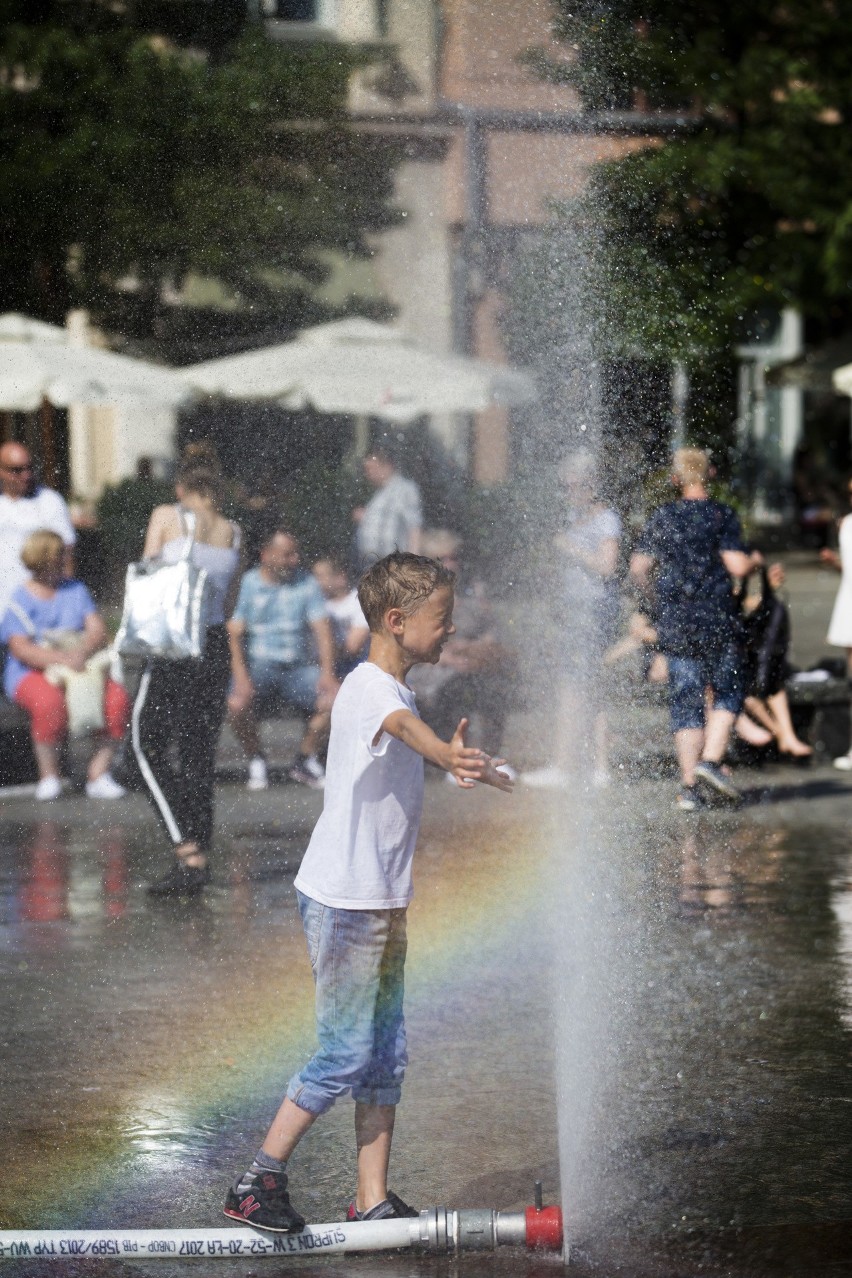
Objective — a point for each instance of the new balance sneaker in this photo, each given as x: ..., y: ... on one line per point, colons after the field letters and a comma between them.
x: 711, y: 775
x: 689, y: 799
x: 258, y: 777
x: 390, y: 1208
x: 261, y: 1200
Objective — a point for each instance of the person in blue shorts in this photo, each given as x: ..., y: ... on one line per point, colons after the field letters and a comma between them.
x: 353, y: 890
x: 695, y: 546
x: 282, y: 654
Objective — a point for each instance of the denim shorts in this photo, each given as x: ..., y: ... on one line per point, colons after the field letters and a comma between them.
x: 722, y: 669
x: 358, y: 962
x: 277, y: 684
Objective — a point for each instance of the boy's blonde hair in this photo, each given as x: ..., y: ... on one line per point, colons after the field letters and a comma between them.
x: 400, y: 580
x: 690, y: 466
x: 41, y: 548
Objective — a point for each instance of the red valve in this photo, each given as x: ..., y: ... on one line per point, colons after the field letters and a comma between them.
x: 544, y: 1228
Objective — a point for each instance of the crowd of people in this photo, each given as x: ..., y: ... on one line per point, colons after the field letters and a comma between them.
x: 282, y: 636
x: 385, y: 678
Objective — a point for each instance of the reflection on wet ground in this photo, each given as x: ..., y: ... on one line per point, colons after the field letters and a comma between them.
x: 700, y: 970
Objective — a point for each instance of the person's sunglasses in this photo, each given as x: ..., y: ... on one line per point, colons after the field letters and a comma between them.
x: 18, y: 470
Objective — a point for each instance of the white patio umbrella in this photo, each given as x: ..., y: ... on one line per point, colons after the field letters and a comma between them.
x: 38, y: 364
x: 359, y: 367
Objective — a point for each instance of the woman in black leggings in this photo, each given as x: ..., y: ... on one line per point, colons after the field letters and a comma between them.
x: 180, y: 705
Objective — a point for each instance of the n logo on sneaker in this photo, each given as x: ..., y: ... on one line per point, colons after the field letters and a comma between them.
x: 248, y: 1206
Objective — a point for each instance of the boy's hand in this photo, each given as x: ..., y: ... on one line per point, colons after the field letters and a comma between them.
x: 493, y: 776
x: 470, y: 765
x: 466, y: 763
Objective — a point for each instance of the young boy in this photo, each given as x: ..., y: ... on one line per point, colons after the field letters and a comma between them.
x: 348, y: 624
x: 354, y: 886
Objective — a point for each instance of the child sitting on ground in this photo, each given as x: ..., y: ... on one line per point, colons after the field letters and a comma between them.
x: 354, y: 886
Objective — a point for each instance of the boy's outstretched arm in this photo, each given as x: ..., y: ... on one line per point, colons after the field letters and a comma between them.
x: 466, y: 763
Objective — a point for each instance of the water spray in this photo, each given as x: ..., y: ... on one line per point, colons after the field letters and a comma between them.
x: 437, y: 1230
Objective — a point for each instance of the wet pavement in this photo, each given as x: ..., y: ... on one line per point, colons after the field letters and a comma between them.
x: 662, y: 1002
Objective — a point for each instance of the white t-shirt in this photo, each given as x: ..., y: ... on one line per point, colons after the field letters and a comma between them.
x: 360, y: 853
x: 345, y: 615
x: 45, y: 509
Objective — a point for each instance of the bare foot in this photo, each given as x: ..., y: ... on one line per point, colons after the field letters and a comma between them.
x: 752, y: 733
x: 795, y: 747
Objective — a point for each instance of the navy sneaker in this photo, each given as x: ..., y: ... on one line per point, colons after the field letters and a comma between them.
x: 711, y: 775
x: 261, y: 1200
x: 689, y: 799
x: 390, y: 1208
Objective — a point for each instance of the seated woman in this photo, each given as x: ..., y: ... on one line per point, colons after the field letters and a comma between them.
x: 766, y: 712
x: 39, y: 628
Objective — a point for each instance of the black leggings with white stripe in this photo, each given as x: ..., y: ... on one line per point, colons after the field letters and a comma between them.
x: 177, y: 717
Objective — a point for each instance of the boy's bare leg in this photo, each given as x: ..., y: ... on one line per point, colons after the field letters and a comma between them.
x: 288, y: 1127
x: 688, y: 744
x: 373, y: 1137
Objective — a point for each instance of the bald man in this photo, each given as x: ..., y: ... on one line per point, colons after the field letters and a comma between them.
x: 24, y: 507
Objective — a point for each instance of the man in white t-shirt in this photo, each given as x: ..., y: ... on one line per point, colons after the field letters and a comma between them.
x: 24, y: 508
x: 354, y: 886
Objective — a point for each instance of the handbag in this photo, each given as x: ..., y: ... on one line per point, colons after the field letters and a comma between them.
x: 167, y: 607
x: 767, y: 634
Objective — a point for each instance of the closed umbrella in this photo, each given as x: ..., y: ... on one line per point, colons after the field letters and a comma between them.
x: 359, y: 367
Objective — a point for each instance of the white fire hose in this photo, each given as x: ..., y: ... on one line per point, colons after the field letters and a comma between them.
x: 437, y: 1230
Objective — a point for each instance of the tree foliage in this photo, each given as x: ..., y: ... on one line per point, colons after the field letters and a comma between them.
x: 748, y: 207
x: 139, y: 145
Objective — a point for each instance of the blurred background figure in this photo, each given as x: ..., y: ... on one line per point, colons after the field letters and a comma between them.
x: 840, y: 626
x: 766, y: 711
x: 348, y: 624
x: 475, y: 676
x: 51, y: 625
x: 587, y: 551
x: 25, y: 506
x: 180, y: 705
x: 694, y: 546
x: 393, y: 517
x: 282, y: 655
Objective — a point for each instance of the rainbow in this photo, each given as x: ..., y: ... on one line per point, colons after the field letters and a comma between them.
x: 236, y: 1039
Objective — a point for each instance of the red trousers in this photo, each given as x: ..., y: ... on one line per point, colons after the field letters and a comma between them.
x: 45, y: 704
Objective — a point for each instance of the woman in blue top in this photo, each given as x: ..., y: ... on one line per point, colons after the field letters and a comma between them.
x: 44, y: 617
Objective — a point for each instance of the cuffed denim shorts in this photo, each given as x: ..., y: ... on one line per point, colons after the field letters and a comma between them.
x: 722, y: 669
x: 358, y: 961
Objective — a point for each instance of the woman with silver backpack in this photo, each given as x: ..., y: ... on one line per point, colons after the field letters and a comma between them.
x: 180, y: 704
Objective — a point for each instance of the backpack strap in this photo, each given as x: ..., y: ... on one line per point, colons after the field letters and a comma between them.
x: 187, y: 523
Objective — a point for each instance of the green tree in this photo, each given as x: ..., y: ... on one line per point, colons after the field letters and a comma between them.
x: 138, y: 149
x: 748, y: 206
